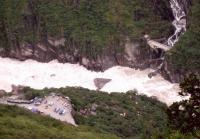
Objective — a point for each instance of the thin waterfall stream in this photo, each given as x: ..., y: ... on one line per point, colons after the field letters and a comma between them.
x: 54, y: 74
x: 179, y: 22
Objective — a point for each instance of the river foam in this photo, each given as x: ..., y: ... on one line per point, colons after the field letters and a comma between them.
x: 54, y: 74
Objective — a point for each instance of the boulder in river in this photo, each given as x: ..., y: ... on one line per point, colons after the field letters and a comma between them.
x: 101, y: 82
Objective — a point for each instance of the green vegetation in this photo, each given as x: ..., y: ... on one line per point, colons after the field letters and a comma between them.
x: 89, y: 25
x: 99, y: 115
x: 185, y: 56
x: 17, y: 123
x: 143, y: 116
x: 176, y: 135
x: 185, y: 115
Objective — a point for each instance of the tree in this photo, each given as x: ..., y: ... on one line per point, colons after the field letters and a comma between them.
x: 185, y: 115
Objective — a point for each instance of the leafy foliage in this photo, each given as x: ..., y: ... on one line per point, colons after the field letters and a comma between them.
x: 185, y: 115
x: 89, y: 25
x: 144, y: 117
x: 127, y: 115
x: 17, y: 123
x: 185, y: 56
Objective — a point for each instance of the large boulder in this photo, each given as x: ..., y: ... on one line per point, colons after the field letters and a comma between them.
x: 101, y: 82
x: 17, y: 89
x: 2, y: 93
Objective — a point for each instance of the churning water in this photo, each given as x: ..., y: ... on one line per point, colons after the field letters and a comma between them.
x: 54, y: 74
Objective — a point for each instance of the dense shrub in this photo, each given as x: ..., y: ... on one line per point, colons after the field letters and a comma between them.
x: 185, y: 115
x: 89, y: 25
x: 143, y: 116
x: 17, y: 123
x: 185, y: 56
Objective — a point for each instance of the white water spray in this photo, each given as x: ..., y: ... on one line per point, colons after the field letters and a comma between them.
x: 53, y: 74
x: 179, y: 22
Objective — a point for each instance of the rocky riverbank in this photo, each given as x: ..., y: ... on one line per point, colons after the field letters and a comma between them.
x: 44, y: 46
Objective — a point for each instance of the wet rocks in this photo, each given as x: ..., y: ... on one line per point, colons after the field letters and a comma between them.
x: 17, y: 89
x: 185, y: 4
x: 2, y: 93
x: 101, y: 82
x: 91, y: 109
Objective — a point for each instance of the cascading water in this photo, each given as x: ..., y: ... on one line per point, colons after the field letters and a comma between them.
x: 54, y: 74
x: 179, y: 22
x: 180, y: 27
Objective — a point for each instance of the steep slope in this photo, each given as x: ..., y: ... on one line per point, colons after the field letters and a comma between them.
x: 184, y: 58
x: 69, y: 30
x: 127, y: 115
x: 17, y: 123
x: 98, y: 33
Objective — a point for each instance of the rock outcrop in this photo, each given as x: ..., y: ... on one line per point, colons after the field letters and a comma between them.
x: 133, y: 54
x: 16, y: 90
x: 101, y: 82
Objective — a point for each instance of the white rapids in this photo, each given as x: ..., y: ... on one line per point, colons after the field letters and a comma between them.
x: 179, y: 22
x: 54, y: 74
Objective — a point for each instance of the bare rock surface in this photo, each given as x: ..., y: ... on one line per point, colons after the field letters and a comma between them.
x: 17, y: 89
x: 101, y: 82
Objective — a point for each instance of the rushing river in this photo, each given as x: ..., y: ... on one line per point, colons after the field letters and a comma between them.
x: 53, y: 74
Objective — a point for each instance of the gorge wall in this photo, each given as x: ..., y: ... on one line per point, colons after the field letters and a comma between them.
x: 184, y: 58
x: 96, y: 34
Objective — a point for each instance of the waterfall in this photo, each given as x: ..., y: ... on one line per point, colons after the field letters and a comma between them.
x: 180, y: 27
x: 179, y: 22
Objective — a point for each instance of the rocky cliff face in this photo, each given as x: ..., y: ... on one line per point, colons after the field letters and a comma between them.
x: 132, y: 52
x: 45, y: 31
x: 168, y: 70
x: 185, y: 4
